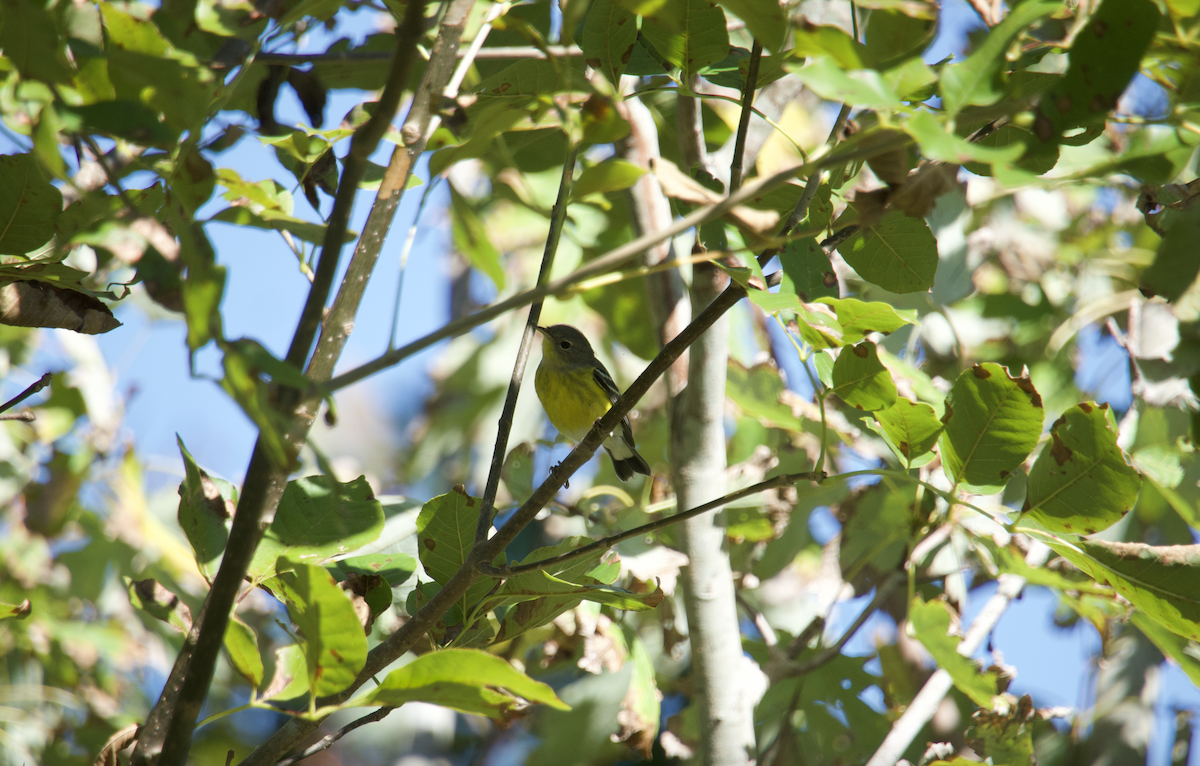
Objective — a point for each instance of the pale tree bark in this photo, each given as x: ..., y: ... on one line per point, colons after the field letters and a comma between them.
x: 698, y: 462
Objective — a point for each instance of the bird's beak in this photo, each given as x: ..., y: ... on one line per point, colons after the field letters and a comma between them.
x: 542, y: 330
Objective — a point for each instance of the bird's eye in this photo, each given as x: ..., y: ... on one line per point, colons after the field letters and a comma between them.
x: 564, y: 344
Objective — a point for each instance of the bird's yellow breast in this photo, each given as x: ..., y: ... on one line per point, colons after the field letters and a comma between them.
x: 572, y: 399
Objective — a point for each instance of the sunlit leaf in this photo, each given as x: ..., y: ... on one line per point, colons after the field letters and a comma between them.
x: 861, y: 380
x: 899, y: 254
x: 1082, y: 482
x: 911, y: 429
x: 993, y: 422
x: 931, y: 626
x: 462, y: 679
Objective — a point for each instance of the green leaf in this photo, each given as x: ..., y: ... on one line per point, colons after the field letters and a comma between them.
x: 395, y: 568
x: 807, y: 271
x: 273, y: 220
x: 548, y: 593
x: 290, y: 679
x: 536, y: 602
x: 29, y: 205
x: 817, y: 41
x: 335, y: 646
x: 892, y: 36
x: 611, y: 175
x: 974, y: 81
x: 861, y: 380
x: 817, y: 328
x: 130, y: 120
x: 31, y: 42
x: 1163, y: 582
x: 1179, y: 649
x: 609, y: 35
x: 764, y: 18
x: 938, y: 143
x: 931, y: 626
x: 15, y: 611
x: 241, y: 647
x: 1039, y: 158
x: 910, y: 429
x: 322, y: 10
x: 462, y: 679
x: 318, y: 518
x: 864, y: 88
x: 206, y: 506
x: 445, y: 536
x: 858, y: 318
x: 446, y: 533
x: 690, y: 34
x: 1082, y: 482
x: 1175, y: 265
x: 993, y: 422
x: 757, y: 391
x: 1104, y: 57
x: 899, y: 254
x: 876, y: 528
x: 471, y: 239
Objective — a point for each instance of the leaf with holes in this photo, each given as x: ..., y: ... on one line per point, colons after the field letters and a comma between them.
x: 899, y: 254
x: 993, y: 422
x: 1082, y: 482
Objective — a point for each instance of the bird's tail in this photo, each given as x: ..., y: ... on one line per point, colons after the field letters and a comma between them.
x: 627, y: 467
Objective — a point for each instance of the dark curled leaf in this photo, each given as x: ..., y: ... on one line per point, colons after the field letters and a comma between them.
x: 37, y: 304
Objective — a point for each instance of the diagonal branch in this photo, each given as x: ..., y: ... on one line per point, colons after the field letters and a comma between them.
x: 618, y: 256
x: 775, y: 482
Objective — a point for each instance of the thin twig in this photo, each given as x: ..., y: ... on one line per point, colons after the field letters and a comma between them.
x: 41, y: 383
x: 926, y: 703
x: 826, y: 655
x: 739, y: 147
x: 599, y: 546
x: 614, y: 258
x: 351, y: 58
x: 814, y: 181
x: 326, y: 742
x: 558, y: 218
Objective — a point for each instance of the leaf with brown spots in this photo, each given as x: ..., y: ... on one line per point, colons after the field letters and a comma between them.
x: 335, y: 647
x: 861, y: 380
x: 993, y: 422
x: 1082, y: 482
x: 910, y: 429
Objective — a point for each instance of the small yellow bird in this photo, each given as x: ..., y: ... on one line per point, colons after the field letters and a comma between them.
x: 576, y: 391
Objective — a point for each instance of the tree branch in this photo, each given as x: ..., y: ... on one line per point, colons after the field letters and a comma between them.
x: 326, y: 742
x: 925, y: 704
x: 614, y: 258
x: 167, y: 735
x: 41, y: 383
x: 558, y: 218
x: 599, y: 546
x: 352, y: 58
